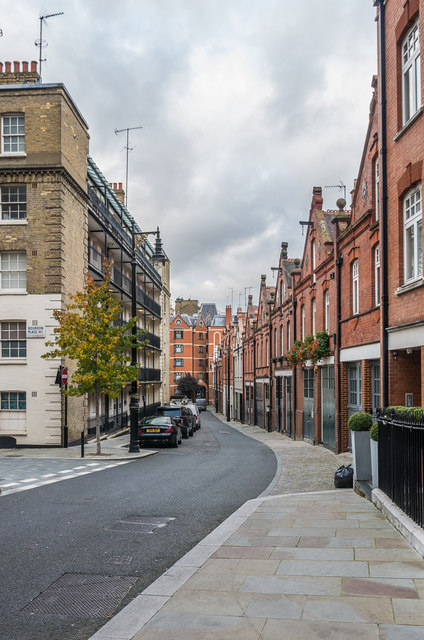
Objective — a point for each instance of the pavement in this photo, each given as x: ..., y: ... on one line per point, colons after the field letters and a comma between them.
x: 301, y: 561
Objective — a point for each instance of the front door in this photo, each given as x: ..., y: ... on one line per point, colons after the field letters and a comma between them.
x: 328, y: 432
x: 308, y: 405
x: 289, y: 407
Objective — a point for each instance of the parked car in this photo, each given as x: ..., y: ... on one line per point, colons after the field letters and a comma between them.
x: 201, y: 403
x: 181, y: 415
x: 161, y: 429
x: 196, y: 413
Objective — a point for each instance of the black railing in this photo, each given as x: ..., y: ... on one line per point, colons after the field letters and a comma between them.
x: 148, y: 302
x: 154, y: 341
x: 108, y: 424
x: 148, y: 410
x: 149, y: 375
x: 401, y: 459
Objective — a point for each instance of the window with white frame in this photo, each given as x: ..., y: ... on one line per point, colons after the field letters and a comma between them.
x: 178, y: 362
x: 178, y: 375
x: 13, y: 202
x: 200, y: 348
x: 411, y: 73
x: 178, y: 334
x: 288, y: 334
x: 282, y: 340
x: 13, y: 270
x: 13, y: 401
x: 355, y: 287
x: 302, y: 319
x: 178, y: 348
x: 314, y: 317
x: 13, y: 339
x: 13, y: 134
x: 377, y: 275
x: 275, y: 342
x: 377, y: 188
x: 413, y: 234
x: 313, y: 261
x: 327, y: 310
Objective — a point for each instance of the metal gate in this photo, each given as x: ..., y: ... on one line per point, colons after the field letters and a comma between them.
x: 308, y: 405
x: 328, y: 433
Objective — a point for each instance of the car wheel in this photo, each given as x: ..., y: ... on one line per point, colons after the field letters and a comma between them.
x: 174, y: 442
x: 191, y: 432
x: 185, y: 434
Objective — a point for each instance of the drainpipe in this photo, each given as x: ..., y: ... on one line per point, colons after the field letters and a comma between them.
x: 255, y: 413
x: 383, y: 217
x: 294, y: 304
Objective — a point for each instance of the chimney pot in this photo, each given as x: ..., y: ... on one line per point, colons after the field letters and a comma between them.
x: 114, y: 186
x: 1, y: 67
x: 8, y: 66
x: 16, y: 66
x: 33, y: 65
x: 24, y: 65
x: 120, y: 186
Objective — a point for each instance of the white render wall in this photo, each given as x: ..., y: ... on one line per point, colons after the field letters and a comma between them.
x: 41, y: 423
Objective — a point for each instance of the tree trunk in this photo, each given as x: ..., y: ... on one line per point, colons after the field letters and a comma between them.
x: 98, y: 450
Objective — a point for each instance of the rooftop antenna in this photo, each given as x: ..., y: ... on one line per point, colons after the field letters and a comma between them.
x: 232, y: 296
x: 128, y: 148
x: 337, y: 186
x: 40, y: 43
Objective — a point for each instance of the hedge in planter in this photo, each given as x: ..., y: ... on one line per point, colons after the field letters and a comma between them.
x: 360, y: 421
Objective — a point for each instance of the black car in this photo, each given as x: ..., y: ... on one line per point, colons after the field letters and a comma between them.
x: 181, y: 415
x: 161, y: 429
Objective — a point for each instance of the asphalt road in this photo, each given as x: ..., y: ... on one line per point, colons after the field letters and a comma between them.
x: 90, y: 528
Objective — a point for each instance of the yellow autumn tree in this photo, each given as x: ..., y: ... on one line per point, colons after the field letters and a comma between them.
x: 90, y: 333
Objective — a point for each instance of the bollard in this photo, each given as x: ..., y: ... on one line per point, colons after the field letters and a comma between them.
x: 82, y: 442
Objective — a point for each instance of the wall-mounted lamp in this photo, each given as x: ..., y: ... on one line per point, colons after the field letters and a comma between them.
x: 395, y: 355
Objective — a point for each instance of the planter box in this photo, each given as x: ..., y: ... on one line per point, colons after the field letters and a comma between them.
x: 361, y: 454
x: 374, y: 463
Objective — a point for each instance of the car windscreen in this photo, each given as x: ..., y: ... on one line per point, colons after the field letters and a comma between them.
x: 160, y: 421
x: 170, y: 412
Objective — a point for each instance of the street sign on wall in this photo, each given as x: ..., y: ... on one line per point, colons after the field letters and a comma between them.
x: 36, y: 331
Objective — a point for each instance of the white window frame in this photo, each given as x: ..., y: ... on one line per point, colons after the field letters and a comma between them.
x: 412, y: 239
x: 288, y: 334
x: 13, y: 203
x: 179, y: 348
x: 314, y: 316
x: 377, y: 275
x: 411, y: 73
x: 178, y: 360
x: 13, y: 268
x: 355, y: 287
x: 13, y: 134
x: 5, y: 398
x: 327, y: 310
x: 302, y: 321
x: 13, y: 338
x: 377, y: 188
x: 313, y: 261
x: 178, y: 375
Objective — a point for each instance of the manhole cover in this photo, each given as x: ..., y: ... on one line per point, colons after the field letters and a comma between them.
x: 139, y: 524
x: 82, y: 595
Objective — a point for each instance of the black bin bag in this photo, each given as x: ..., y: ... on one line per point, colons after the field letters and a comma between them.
x: 343, y: 478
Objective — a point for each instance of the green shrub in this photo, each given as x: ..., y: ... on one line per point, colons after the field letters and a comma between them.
x: 374, y: 432
x: 360, y: 421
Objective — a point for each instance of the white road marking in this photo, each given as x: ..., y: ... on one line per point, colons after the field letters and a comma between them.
x: 48, y: 475
x: 66, y: 471
x: 9, y: 484
x: 29, y: 480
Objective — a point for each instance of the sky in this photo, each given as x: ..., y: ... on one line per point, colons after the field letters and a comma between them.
x: 245, y: 106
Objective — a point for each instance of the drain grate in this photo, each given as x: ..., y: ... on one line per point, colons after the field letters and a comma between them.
x: 139, y: 524
x: 82, y: 595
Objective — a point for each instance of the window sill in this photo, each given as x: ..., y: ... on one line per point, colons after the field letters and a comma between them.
x: 13, y: 292
x: 13, y: 361
x: 408, y: 124
x: 13, y: 154
x: 13, y: 222
x: 410, y: 286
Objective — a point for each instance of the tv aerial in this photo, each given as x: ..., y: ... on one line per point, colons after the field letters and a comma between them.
x: 40, y: 43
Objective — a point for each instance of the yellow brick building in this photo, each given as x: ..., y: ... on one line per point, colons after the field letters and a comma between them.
x: 59, y: 218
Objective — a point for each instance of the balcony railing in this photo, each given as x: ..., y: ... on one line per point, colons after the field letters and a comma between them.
x: 148, y: 302
x: 400, y: 460
x: 149, y: 375
x: 154, y: 341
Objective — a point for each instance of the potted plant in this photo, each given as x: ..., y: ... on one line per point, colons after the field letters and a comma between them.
x: 374, y: 454
x: 360, y: 424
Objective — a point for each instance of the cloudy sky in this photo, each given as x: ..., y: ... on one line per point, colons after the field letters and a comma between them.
x: 245, y: 106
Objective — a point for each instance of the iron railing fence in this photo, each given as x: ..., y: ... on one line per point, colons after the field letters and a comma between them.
x: 108, y: 423
x: 401, y: 459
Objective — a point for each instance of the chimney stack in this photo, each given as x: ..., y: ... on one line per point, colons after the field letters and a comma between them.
x: 18, y: 75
